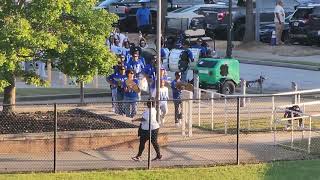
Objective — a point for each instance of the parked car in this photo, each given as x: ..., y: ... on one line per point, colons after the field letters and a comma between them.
x: 181, y: 19
x: 305, y: 24
x: 267, y: 29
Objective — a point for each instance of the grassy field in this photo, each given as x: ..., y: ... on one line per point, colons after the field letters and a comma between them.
x: 279, y: 170
x: 54, y: 91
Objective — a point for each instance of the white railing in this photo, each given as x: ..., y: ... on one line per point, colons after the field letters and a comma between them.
x: 247, y: 107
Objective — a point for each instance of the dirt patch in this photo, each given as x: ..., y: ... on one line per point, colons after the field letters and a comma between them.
x: 72, y: 120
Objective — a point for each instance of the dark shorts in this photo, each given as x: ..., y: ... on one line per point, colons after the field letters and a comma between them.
x: 145, y: 29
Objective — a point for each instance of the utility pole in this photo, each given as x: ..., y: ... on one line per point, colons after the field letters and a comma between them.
x: 258, y: 10
x: 229, y: 42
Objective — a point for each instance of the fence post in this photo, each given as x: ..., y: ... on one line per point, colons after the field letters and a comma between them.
x: 149, y: 142
x: 225, y: 116
x: 272, y: 113
x: 238, y: 128
x: 243, y: 92
x: 292, y: 118
x: 199, y: 108
x: 294, y: 87
x: 190, y: 115
x: 212, y: 102
x: 184, y: 116
x: 55, y: 138
x: 309, y: 138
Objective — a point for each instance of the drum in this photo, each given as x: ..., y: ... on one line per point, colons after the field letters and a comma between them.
x: 174, y: 58
x: 143, y: 83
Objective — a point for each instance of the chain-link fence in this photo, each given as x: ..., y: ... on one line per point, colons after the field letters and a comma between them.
x: 207, y: 131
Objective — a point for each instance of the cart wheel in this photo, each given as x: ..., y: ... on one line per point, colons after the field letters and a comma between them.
x: 228, y: 87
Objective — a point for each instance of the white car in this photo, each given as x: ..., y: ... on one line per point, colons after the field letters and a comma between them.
x: 180, y: 19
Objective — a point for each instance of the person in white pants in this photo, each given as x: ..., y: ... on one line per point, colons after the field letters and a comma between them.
x: 164, y: 97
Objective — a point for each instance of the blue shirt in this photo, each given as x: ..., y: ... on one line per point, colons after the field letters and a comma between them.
x: 176, y: 93
x: 136, y: 66
x: 143, y: 15
x: 203, y: 50
x: 150, y: 71
x: 190, y: 55
x: 131, y: 93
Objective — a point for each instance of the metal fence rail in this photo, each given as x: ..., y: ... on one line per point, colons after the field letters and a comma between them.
x: 212, y: 131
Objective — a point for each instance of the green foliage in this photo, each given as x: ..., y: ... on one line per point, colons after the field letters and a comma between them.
x: 71, y: 32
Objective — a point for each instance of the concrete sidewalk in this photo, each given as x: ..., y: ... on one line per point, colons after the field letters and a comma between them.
x: 200, y: 150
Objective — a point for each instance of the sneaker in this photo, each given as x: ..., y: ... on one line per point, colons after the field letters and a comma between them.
x: 157, y: 158
x: 136, y: 158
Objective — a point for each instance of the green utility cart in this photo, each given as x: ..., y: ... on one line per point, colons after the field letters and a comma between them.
x: 220, y: 74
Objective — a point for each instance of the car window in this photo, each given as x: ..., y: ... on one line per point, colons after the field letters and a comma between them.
x: 181, y: 9
x: 207, y: 64
x: 302, y: 13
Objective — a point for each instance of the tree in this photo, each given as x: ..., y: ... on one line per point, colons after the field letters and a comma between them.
x: 249, y: 27
x: 85, y: 31
x: 71, y: 32
x: 164, y: 10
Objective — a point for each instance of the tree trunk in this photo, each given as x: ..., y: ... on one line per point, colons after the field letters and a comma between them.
x: 81, y: 92
x: 164, y: 10
x: 250, y: 31
x: 9, y: 96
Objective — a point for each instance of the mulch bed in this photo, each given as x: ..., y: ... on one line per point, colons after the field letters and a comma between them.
x: 72, y: 120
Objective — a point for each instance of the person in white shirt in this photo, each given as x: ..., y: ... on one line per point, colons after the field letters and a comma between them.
x: 279, y: 18
x: 120, y: 36
x: 144, y: 131
x: 164, y: 97
x: 116, y: 48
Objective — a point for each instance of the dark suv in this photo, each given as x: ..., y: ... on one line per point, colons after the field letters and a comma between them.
x: 305, y: 24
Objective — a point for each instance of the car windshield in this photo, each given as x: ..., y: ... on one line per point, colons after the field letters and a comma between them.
x: 186, y: 9
x: 302, y: 13
x: 207, y: 64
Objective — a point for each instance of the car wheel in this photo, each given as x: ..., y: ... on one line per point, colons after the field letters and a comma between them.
x: 228, y: 87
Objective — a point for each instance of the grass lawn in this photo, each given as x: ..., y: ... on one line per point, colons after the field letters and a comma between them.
x: 278, y: 170
x: 54, y: 91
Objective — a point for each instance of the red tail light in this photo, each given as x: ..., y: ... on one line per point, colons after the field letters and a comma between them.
x: 221, y: 16
x: 127, y: 10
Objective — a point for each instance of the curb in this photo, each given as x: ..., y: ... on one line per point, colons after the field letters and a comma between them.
x: 278, y: 64
x: 62, y: 96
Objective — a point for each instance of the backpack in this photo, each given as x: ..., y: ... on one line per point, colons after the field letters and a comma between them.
x: 184, y: 61
x: 295, y: 111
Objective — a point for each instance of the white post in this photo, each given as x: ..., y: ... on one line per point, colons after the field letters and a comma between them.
x: 190, y: 116
x: 199, y: 109
x: 274, y: 130
x: 243, y: 92
x: 212, y: 102
x: 309, y: 139
x: 249, y: 113
x: 225, y: 116
x: 292, y: 129
x: 272, y: 114
x: 294, y: 87
x: 184, y: 116
x: 187, y: 112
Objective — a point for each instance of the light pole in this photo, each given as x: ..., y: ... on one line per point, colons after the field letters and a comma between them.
x: 229, y: 40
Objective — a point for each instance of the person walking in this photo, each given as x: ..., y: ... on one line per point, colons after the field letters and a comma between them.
x: 131, y: 90
x: 164, y: 97
x: 144, y: 135
x: 144, y: 19
x: 279, y: 20
x: 177, y: 86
